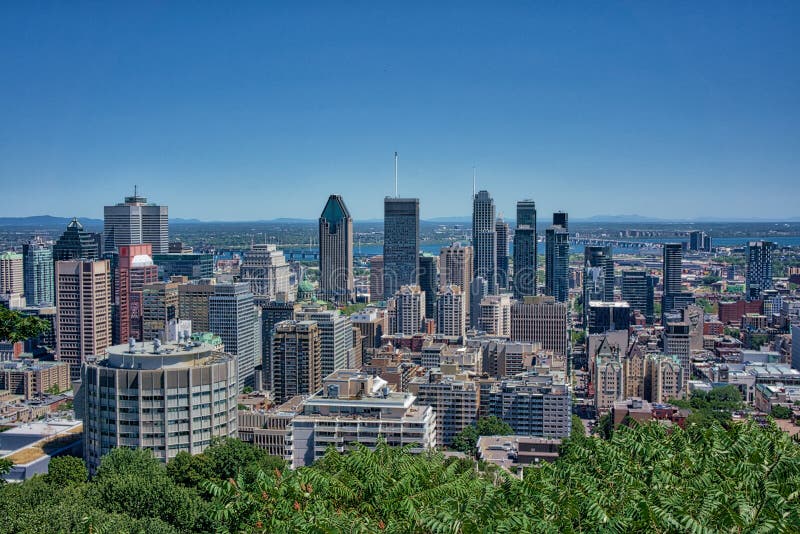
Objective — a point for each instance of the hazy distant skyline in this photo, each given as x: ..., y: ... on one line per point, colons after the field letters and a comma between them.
x: 258, y: 111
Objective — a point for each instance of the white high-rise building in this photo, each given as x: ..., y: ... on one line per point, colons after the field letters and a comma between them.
x: 451, y: 312
x: 264, y: 267
x: 232, y: 316
x: 136, y: 222
x: 496, y: 315
x: 408, y: 314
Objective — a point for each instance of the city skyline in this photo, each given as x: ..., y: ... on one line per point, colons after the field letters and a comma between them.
x: 228, y: 114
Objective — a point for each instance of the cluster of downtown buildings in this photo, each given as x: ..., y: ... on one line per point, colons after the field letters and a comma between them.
x: 164, y: 348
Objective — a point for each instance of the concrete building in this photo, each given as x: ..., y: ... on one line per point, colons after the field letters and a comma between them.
x: 136, y: 222
x: 451, y: 312
x: 502, y: 231
x: 484, y: 240
x: 400, y: 244
x: 166, y: 398
x: 31, y: 378
x: 376, y: 279
x: 37, y: 260
x: 478, y: 290
x: 677, y: 343
x: 455, y: 268
x: 159, y: 307
x: 759, y: 268
x: 193, y: 302
x: 608, y: 378
x: 12, y: 278
x: 265, y: 270
x: 336, y: 334
x: 408, y: 312
x: 272, y: 314
x: 557, y: 258
x: 336, y: 283
x: 296, y: 359
x: 525, y: 254
x: 373, y: 324
x: 354, y: 407
x: 76, y: 244
x: 271, y: 429
x: 664, y: 378
x: 83, y: 316
x: 542, y: 320
x: 135, y: 269
x: 533, y: 405
x: 454, y: 397
x: 496, y: 315
x: 232, y: 316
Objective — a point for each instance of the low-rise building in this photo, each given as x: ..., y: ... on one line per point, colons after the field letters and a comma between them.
x: 354, y: 407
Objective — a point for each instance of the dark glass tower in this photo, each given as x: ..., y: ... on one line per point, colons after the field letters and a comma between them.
x: 638, y: 291
x: 525, y: 256
x: 76, y: 243
x: 598, y: 277
x: 759, y: 268
x: 400, y: 244
x: 336, y: 252
x: 484, y: 240
x: 428, y: 282
x: 557, y: 258
x: 501, y: 230
x: 673, y: 298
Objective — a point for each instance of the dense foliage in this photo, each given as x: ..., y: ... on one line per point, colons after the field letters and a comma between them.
x: 16, y: 326
x: 647, y: 478
x: 466, y: 440
x: 716, y: 405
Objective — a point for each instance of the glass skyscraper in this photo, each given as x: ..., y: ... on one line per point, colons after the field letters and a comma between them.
x: 525, y: 257
x: 484, y: 240
x: 557, y: 258
x: 400, y: 244
x: 37, y: 258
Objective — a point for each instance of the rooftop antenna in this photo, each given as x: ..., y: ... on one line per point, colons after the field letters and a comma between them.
x: 135, y: 190
x: 474, y: 180
x: 396, y: 194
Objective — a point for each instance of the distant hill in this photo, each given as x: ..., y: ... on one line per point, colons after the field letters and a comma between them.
x: 48, y: 221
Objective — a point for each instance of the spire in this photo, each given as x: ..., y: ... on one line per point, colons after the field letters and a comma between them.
x: 396, y: 193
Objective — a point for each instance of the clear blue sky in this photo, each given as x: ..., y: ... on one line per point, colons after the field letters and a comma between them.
x: 242, y: 111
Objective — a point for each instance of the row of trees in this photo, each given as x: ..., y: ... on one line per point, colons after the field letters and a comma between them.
x: 741, y: 478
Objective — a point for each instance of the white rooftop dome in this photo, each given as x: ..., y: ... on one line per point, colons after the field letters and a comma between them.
x: 141, y: 260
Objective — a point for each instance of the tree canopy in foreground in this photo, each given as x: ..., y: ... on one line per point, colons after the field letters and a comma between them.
x: 648, y: 478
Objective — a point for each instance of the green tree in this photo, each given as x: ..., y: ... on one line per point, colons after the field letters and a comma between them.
x: 605, y: 426
x: 781, y: 412
x: 5, y: 468
x: 16, y: 326
x: 230, y: 457
x: 188, y: 470
x: 66, y: 470
x: 466, y: 440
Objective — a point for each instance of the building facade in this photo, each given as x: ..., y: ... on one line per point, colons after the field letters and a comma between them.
x: 484, y: 240
x: 265, y: 270
x: 296, y: 359
x: 136, y: 222
x: 400, y: 244
x: 526, y: 261
x: 12, y: 279
x: 557, y: 258
x: 37, y: 259
x: 543, y: 320
x: 451, y: 312
x: 336, y: 283
x: 165, y: 398
x: 759, y: 268
x: 232, y: 316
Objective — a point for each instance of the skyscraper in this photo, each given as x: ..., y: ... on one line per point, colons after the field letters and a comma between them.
x: 759, y: 268
x: 455, y: 268
x: 598, y: 277
x: 232, y: 316
x: 265, y: 269
x: 37, y: 259
x: 336, y: 252
x: 376, y: 278
x: 296, y: 359
x: 409, y: 311
x: 12, y: 278
x: 501, y: 230
x: 451, y: 312
x: 673, y: 296
x: 136, y: 222
x: 543, y: 320
x: 159, y: 307
x: 75, y: 244
x: 336, y: 335
x: 429, y: 282
x: 699, y: 241
x: 638, y: 291
x: 525, y: 254
x: 272, y: 314
x: 135, y: 269
x: 400, y: 244
x: 478, y: 289
x: 557, y: 258
x: 83, y: 316
x: 484, y: 240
